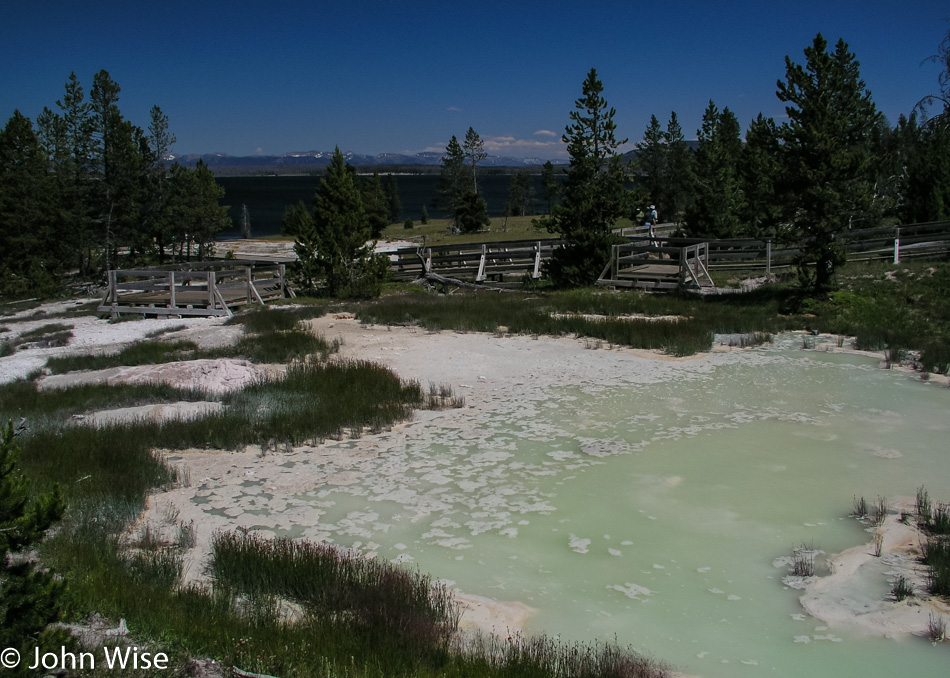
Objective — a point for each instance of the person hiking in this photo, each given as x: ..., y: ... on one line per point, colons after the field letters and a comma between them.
x: 652, y: 220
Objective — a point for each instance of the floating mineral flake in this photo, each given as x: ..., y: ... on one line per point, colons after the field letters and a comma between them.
x: 632, y: 591
x: 579, y: 545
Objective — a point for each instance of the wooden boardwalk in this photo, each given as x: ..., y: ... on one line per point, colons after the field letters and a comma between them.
x: 194, y: 289
x: 654, y: 264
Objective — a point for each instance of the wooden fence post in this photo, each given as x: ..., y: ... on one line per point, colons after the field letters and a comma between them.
x: 171, y: 290
x: 768, y: 257
x: 897, y: 245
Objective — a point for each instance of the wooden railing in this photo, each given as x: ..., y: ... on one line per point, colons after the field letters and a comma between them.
x: 891, y: 243
x: 199, y: 288
x: 505, y: 262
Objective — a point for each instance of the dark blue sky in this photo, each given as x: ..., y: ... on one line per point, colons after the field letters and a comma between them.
x: 253, y: 77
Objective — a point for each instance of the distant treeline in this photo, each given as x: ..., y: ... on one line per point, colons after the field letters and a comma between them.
x: 83, y: 184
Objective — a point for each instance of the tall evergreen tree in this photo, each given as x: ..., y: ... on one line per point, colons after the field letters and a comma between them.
x: 718, y: 194
x: 391, y: 186
x: 193, y: 208
x: 332, y: 248
x: 375, y: 203
x: 759, y: 168
x: 827, y: 156
x: 457, y: 187
x: 594, y: 196
x: 453, y: 180
x: 550, y: 184
x: 29, y: 597
x: 678, y: 173
x: 67, y: 137
x: 30, y: 250
x: 651, y: 162
x: 520, y: 194
x: 924, y: 152
x: 474, y: 149
x: 155, y: 222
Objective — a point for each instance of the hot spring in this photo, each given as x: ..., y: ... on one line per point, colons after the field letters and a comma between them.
x: 652, y: 508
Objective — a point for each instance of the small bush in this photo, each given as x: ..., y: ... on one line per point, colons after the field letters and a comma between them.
x: 408, y: 225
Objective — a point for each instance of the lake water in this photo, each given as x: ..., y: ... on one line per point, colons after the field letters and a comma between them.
x: 652, y: 513
x: 267, y: 197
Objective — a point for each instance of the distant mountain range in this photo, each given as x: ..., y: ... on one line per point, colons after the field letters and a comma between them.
x: 301, y: 162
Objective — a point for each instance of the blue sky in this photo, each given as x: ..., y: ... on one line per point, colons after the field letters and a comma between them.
x: 370, y: 77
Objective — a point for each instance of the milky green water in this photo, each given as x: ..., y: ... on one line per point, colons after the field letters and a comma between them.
x: 654, y: 514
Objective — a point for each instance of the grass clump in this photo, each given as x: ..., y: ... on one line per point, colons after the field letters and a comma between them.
x: 936, y: 556
x: 270, y: 336
x: 46, y: 336
x: 261, y: 319
x: 933, y: 518
x: 517, y: 655
x: 879, y: 513
x: 936, y: 628
x: 374, y: 600
x: 803, y: 563
x: 894, y: 308
x: 859, y: 508
x: 142, y: 353
x: 923, y: 505
x: 902, y: 589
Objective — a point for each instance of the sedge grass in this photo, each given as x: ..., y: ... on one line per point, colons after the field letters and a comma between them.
x: 141, y: 353
x: 674, y: 323
x: 260, y: 319
x: 276, y: 346
x: 902, y: 589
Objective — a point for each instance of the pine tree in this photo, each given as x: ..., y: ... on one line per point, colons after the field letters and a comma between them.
x: 550, y: 184
x: 474, y: 149
x: 155, y: 220
x: 827, y: 158
x: 678, y: 175
x: 29, y: 598
x: 453, y: 181
x: 332, y: 246
x: 718, y: 194
x: 759, y: 169
x: 31, y: 254
x: 651, y: 162
x: 520, y: 194
x: 391, y: 186
x: 193, y: 208
x: 594, y: 197
x: 67, y: 137
x: 375, y: 204
x: 924, y: 152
